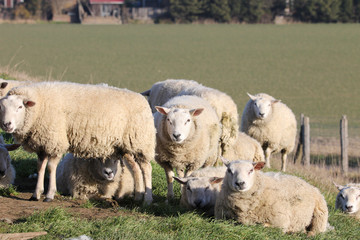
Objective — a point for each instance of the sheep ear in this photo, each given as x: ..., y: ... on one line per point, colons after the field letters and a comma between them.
x: 258, y: 165
x: 196, y: 112
x: 339, y: 187
x: 12, y: 147
x: 225, y: 161
x: 162, y: 110
x: 28, y: 103
x: 275, y: 101
x: 3, y: 85
x: 215, y: 180
x: 146, y: 93
x: 251, y: 96
x: 181, y: 180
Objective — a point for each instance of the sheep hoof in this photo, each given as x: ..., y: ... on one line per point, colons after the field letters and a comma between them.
x: 33, y: 199
x: 47, y: 200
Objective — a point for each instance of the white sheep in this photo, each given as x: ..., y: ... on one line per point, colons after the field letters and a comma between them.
x: 187, y: 138
x: 7, y: 170
x: 94, y: 177
x: 51, y: 118
x: 245, y: 147
x: 200, y: 189
x: 348, y: 199
x: 272, y: 199
x: 222, y: 103
x: 6, y: 85
x: 272, y: 123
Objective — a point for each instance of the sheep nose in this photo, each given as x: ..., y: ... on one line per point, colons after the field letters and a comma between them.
x: 176, y: 136
x: 197, y: 203
x: 108, y: 172
x: 261, y: 114
x: 349, y: 208
x: 7, y: 125
x: 240, y: 184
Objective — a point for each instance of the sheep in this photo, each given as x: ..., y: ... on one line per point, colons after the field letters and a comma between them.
x: 273, y: 199
x: 348, y: 199
x: 7, y: 170
x: 187, y: 137
x: 94, y: 177
x: 6, y: 85
x: 272, y: 123
x: 200, y: 189
x: 52, y: 118
x: 222, y: 103
x: 245, y: 147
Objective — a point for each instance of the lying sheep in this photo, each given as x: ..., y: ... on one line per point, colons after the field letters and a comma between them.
x: 6, y: 85
x: 51, y: 118
x: 272, y: 199
x: 348, y: 199
x: 187, y: 138
x: 7, y: 170
x: 94, y: 178
x: 245, y: 147
x: 200, y: 189
x: 222, y: 103
x: 272, y: 123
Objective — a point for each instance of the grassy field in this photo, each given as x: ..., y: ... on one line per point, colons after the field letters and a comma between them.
x: 312, y: 68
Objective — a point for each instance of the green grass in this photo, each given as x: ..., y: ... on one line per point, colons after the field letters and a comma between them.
x: 312, y: 68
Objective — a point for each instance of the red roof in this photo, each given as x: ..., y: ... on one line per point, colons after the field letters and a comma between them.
x: 106, y: 1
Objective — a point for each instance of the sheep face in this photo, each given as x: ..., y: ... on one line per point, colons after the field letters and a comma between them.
x: 262, y: 106
x: 13, y: 109
x: 106, y: 169
x: 179, y: 122
x: 240, y: 174
x: 200, y: 192
x: 349, y: 198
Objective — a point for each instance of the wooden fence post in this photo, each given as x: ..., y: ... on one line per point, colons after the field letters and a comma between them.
x: 300, y: 144
x: 344, y: 142
x: 306, y: 142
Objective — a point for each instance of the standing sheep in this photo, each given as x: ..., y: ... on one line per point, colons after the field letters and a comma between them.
x: 187, y: 138
x: 272, y: 199
x: 94, y: 177
x: 7, y: 171
x: 348, y: 199
x: 272, y: 123
x: 201, y: 188
x: 51, y: 118
x: 222, y: 103
x: 6, y: 85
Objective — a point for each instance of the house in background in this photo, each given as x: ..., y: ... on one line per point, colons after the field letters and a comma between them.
x: 11, y: 3
x: 106, y: 8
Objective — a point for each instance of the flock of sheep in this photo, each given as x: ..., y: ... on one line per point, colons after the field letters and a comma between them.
x: 111, y: 135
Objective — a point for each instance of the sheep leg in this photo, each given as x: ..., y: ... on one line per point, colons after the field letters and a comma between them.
x: 283, y: 161
x: 138, y: 179
x: 267, y: 157
x: 146, y: 171
x: 52, y: 165
x: 41, y: 166
x: 170, y: 180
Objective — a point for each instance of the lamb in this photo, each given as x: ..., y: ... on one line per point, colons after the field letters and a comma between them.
x: 222, y: 103
x: 187, y: 138
x: 6, y: 85
x: 273, y: 199
x: 51, y: 118
x: 200, y: 189
x: 272, y: 123
x: 348, y: 199
x: 7, y: 170
x: 245, y: 147
x: 94, y: 178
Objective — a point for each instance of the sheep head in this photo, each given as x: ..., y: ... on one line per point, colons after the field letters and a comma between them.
x: 240, y: 175
x: 348, y: 198
x: 179, y: 122
x: 262, y: 106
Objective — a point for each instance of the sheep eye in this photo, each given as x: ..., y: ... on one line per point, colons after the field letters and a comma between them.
x: 251, y: 171
x: 189, y: 189
x: 342, y: 196
x: 187, y: 121
x: 207, y: 188
x: 229, y: 171
x: 20, y: 107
